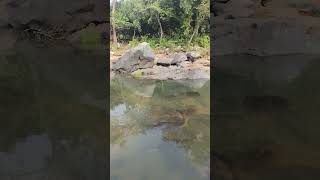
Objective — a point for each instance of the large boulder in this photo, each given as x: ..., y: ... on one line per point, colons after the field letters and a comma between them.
x: 140, y: 57
x: 173, y: 59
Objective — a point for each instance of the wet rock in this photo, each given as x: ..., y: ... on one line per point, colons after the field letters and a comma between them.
x: 140, y: 57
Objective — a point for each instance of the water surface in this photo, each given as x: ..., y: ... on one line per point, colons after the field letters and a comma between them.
x: 160, y: 129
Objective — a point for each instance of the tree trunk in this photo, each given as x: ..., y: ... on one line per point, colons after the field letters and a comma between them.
x: 114, y: 34
x: 195, y: 31
x: 134, y: 34
x: 160, y: 26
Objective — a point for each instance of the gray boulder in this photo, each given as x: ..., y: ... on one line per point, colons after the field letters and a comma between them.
x: 194, y: 55
x: 140, y: 57
x: 178, y: 58
x: 173, y: 59
x: 164, y: 61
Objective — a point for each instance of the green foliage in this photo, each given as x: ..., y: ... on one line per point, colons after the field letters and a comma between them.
x: 202, y: 41
x: 134, y: 43
x: 167, y: 43
x: 139, y: 20
x: 172, y: 42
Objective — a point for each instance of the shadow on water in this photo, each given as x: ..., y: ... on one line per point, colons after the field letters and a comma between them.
x: 160, y: 129
x: 267, y: 118
x: 52, y: 107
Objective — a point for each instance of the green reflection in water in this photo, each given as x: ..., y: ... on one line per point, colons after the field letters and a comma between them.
x: 160, y: 129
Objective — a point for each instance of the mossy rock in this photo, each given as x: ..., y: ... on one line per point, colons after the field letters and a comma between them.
x: 137, y: 74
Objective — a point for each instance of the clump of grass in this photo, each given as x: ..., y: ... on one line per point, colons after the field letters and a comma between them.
x: 202, y: 41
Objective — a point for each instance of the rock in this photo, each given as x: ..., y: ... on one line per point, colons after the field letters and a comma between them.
x: 140, y: 57
x: 174, y: 73
x: 194, y: 55
x: 165, y: 61
x: 178, y: 58
x: 173, y: 59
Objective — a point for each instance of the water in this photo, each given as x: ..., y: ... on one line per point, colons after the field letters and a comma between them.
x: 52, y: 114
x: 160, y: 129
x: 266, y: 122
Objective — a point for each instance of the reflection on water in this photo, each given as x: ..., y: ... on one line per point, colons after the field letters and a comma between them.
x: 267, y: 118
x: 159, y: 129
x: 53, y: 125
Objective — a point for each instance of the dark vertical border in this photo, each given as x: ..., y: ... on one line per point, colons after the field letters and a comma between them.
x: 107, y: 60
x: 212, y: 84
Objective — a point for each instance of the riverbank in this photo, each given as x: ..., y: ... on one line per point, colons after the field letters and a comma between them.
x: 162, y: 67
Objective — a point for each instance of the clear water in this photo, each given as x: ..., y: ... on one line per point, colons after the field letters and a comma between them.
x: 160, y: 129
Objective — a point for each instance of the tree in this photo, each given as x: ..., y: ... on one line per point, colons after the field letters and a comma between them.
x: 202, y: 12
x: 157, y: 11
x: 114, y: 34
x: 128, y: 16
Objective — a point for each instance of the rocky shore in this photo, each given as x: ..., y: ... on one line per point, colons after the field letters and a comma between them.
x: 141, y: 62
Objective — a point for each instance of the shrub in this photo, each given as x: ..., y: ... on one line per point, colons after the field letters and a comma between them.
x: 202, y: 41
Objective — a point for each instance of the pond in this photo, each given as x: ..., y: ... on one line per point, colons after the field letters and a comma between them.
x: 159, y: 129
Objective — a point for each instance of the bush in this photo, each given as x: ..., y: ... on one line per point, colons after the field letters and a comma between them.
x: 202, y: 41
x: 167, y: 43
x: 133, y: 43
